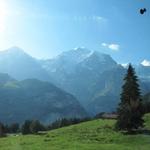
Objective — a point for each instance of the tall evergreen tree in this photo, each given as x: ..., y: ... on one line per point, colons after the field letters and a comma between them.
x: 130, y: 110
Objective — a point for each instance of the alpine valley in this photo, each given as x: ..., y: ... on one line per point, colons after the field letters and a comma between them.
x: 77, y: 83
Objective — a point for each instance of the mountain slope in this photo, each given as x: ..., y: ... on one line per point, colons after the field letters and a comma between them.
x: 78, y: 70
x: 93, y: 77
x: 107, y: 91
x: 20, y: 65
x: 143, y: 71
x: 108, y: 88
x: 34, y: 99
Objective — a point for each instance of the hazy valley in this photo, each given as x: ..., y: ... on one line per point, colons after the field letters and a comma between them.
x: 39, y: 89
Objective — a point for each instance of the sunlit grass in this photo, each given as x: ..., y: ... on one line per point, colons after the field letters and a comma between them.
x: 92, y: 135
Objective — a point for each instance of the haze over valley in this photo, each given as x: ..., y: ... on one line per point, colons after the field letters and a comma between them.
x: 76, y: 83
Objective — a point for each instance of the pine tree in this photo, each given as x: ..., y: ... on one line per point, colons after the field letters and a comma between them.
x: 25, y: 129
x: 130, y: 110
x: 2, y: 130
x: 36, y: 126
x: 14, y: 128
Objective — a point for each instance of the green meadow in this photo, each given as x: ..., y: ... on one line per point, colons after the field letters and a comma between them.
x: 92, y: 135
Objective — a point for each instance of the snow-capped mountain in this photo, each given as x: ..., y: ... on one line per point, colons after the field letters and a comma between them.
x: 145, y: 63
x: 143, y: 70
x: 94, y: 78
x: 69, y: 60
x: 78, y: 70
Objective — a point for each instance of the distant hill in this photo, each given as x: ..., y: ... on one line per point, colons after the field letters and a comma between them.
x: 34, y: 99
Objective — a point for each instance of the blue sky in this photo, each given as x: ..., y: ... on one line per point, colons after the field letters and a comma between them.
x: 45, y: 28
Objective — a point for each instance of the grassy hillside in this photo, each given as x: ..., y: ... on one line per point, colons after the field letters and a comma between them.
x: 92, y: 135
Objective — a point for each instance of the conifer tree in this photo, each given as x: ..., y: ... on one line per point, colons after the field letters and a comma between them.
x: 2, y: 130
x: 25, y: 129
x: 130, y: 110
x: 14, y: 128
x: 36, y: 126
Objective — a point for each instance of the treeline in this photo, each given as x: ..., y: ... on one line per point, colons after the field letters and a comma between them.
x: 66, y: 122
x: 13, y: 128
x: 34, y: 126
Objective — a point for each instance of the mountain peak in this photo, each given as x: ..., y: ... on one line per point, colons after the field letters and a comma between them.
x: 81, y: 49
x: 15, y: 49
x: 20, y: 65
x: 145, y: 63
x: 14, y: 52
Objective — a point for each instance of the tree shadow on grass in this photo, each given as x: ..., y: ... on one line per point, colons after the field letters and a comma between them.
x: 135, y: 132
x: 144, y: 131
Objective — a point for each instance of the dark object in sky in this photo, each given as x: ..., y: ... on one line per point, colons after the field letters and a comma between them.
x: 142, y: 11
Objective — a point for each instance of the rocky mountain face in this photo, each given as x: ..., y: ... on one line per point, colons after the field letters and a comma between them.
x: 93, y: 77
x: 77, y: 71
x: 143, y: 72
x: 107, y: 91
x: 34, y: 99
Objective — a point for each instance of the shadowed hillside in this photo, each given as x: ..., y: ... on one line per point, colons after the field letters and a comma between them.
x: 34, y: 99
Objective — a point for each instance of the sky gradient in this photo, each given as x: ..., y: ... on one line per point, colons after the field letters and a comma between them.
x: 45, y: 28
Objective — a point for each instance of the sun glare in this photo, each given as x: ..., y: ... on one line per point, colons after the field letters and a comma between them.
x: 3, y: 13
